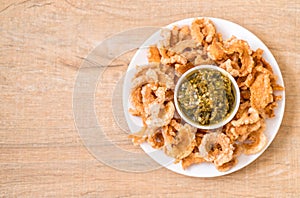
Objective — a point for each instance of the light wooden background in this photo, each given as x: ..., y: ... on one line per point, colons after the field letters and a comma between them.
x: 42, y: 44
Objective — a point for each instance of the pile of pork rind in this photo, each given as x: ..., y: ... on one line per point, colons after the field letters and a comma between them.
x: 152, y: 96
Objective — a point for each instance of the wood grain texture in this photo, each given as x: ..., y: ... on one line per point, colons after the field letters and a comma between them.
x: 42, y: 45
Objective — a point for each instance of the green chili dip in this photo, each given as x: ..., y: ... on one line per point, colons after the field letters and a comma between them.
x: 206, y: 96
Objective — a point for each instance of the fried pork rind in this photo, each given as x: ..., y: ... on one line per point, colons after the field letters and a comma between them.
x: 228, y: 67
x: 249, y: 117
x: 216, y: 51
x: 136, y: 99
x: 184, y: 33
x: 181, y: 48
x: 269, y: 110
x: 244, y: 51
x: 235, y: 50
x: 181, y: 69
x: 139, y: 137
x: 255, y: 142
x: 153, y: 55
x: 240, y: 133
x: 261, y: 92
x: 228, y: 165
x: 193, y: 158
x: 174, y: 59
x: 203, y: 30
x: 156, y: 140
x: 217, y: 148
x: 154, y: 73
x: 238, y: 149
x: 160, y: 115
x: 152, y: 96
x: 150, y: 102
x: 182, y: 45
x: 182, y: 144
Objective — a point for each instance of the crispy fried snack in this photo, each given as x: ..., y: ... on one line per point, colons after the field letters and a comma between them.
x: 255, y: 142
x: 217, y: 148
x: 150, y: 102
x: 228, y: 165
x: 153, y: 55
x: 261, y: 92
x: 153, y: 92
x: 156, y: 140
x: 203, y: 30
x: 249, y: 117
x: 216, y: 51
x: 182, y: 143
x: 183, y: 48
x: 193, y: 158
x: 227, y: 65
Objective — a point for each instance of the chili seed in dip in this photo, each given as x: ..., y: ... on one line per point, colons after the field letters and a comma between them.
x: 206, y: 96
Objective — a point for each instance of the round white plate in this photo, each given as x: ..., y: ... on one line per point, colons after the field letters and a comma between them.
x: 227, y: 29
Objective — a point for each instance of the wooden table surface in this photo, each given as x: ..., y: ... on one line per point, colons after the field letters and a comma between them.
x: 42, y: 45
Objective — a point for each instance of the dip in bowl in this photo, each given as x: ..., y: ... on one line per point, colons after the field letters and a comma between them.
x: 207, y: 97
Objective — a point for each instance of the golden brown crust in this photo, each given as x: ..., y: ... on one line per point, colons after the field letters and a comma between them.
x: 153, y: 55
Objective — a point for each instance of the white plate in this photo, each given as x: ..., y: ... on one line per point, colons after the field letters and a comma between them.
x: 227, y: 29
